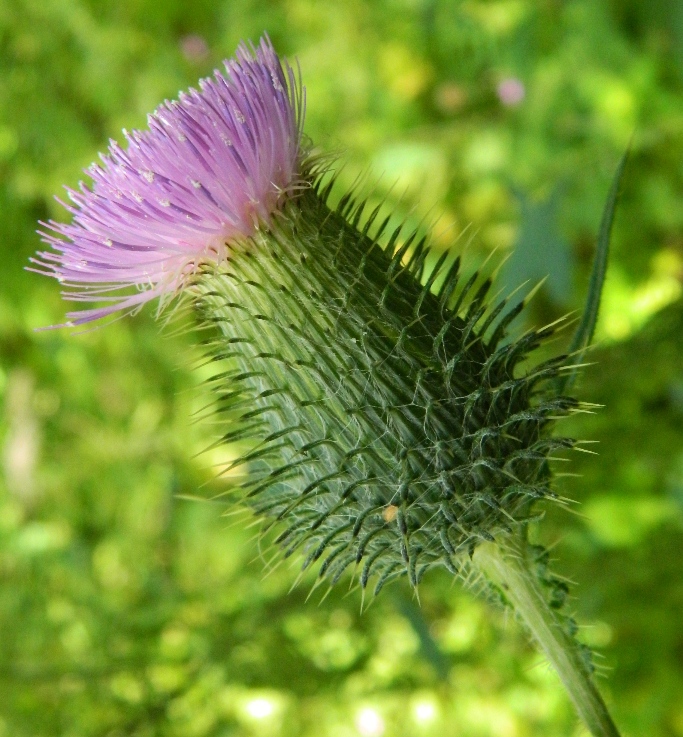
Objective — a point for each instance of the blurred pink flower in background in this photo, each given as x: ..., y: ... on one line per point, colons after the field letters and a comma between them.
x: 194, y: 47
x: 511, y: 91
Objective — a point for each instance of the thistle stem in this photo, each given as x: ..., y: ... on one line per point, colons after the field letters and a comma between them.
x: 508, y: 568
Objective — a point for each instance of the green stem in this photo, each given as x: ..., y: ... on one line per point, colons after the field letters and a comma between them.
x: 508, y: 568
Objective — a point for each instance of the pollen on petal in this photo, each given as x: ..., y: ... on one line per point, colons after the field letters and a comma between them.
x: 211, y: 169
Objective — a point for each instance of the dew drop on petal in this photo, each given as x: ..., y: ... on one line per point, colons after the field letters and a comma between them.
x: 196, y: 184
x: 148, y: 175
x: 165, y: 203
x: 239, y: 117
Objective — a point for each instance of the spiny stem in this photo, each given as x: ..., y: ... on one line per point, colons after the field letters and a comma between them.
x: 507, y: 566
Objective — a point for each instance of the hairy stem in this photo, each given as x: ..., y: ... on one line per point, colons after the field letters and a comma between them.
x: 509, y: 569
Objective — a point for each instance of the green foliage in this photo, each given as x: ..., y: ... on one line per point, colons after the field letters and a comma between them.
x: 585, y: 331
x: 126, y: 609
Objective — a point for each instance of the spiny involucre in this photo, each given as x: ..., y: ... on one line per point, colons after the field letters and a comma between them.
x: 387, y: 420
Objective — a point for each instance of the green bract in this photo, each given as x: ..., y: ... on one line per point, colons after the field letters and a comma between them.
x: 391, y: 423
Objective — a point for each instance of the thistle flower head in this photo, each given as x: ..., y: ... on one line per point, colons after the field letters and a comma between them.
x: 211, y: 170
x: 394, y: 425
x: 389, y: 423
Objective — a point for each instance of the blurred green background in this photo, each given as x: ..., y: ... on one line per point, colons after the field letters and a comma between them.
x: 128, y: 609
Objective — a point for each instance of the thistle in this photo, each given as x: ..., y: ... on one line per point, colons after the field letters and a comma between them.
x: 210, y: 171
x: 391, y: 423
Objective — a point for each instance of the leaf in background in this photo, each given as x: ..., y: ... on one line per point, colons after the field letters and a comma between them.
x: 584, y: 333
x: 541, y: 250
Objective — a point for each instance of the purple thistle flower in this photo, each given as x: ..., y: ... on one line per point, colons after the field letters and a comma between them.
x: 212, y: 168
